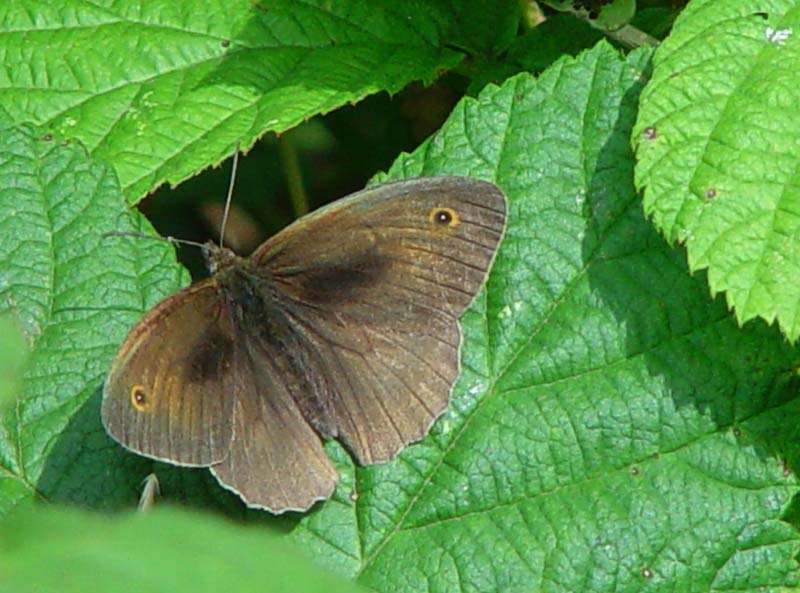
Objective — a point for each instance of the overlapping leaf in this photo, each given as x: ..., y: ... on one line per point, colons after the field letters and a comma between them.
x: 167, y: 550
x: 718, y: 142
x: 161, y: 89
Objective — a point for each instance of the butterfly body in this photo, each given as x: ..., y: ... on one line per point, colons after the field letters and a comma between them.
x: 344, y: 325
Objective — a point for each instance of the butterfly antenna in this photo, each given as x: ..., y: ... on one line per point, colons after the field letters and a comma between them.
x: 173, y: 240
x: 228, y: 199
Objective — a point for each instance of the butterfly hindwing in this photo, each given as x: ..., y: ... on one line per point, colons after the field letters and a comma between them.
x: 276, y: 460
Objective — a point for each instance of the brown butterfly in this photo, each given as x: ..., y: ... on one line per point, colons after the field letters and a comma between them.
x: 344, y: 325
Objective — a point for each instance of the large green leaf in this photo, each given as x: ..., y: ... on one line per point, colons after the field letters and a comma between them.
x: 13, y: 354
x: 160, y: 89
x: 612, y: 430
x: 53, y: 550
x: 718, y: 142
x: 75, y: 293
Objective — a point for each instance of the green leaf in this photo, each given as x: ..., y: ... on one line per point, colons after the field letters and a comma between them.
x: 75, y: 294
x: 655, y: 17
x: 163, y: 550
x: 560, y: 34
x: 161, y: 89
x: 615, y: 14
x: 718, y: 141
x: 606, y: 15
x: 485, y: 27
x: 612, y: 428
x: 13, y: 354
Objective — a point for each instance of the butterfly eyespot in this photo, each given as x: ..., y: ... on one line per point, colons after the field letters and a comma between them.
x: 444, y: 217
x: 139, y: 398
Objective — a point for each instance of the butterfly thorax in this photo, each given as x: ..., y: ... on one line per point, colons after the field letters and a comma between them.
x: 244, y: 288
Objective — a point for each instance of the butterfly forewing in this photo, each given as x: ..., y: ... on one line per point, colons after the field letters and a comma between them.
x: 166, y: 394
x: 376, y: 283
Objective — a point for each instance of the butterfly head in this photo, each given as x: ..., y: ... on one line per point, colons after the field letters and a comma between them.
x: 217, y: 258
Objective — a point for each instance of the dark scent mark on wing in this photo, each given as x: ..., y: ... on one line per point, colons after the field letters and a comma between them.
x: 339, y: 283
x: 210, y: 356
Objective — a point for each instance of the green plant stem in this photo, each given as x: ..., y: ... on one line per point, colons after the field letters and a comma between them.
x: 632, y: 37
x: 627, y: 35
x: 294, y: 177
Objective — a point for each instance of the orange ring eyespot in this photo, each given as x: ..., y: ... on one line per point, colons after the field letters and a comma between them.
x: 441, y: 216
x: 139, y: 398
